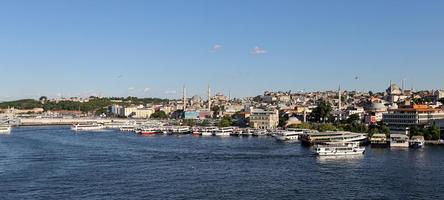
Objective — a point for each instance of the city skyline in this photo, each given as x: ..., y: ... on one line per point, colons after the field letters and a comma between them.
x: 151, y: 49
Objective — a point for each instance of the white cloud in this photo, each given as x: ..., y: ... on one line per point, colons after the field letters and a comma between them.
x: 131, y: 88
x: 146, y: 89
x: 258, y: 51
x: 216, y: 48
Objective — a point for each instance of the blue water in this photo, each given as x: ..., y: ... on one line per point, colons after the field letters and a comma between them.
x: 56, y: 163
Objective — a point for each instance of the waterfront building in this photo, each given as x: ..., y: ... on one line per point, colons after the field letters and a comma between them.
x: 136, y: 112
x: 375, y: 112
x: 264, y: 119
x: 400, y: 119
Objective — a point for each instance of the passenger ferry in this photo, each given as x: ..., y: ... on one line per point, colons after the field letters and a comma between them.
x: 181, y: 130
x: 247, y: 132
x: 5, y: 129
x: 87, y: 127
x: 417, y: 142
x: 224, y: 132
x: 127, y: 128
x: 313, y: 138
x: 379, y: 140
x: 148, y: 131
x: 399, y: 140
x: 339, y: 149
x: 260, y: 132
x: 289, y: 135
x: 208, y: 131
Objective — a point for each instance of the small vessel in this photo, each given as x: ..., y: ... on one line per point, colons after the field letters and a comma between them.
x: 260, y: 132
x: 339, y: 149
x: 5, y: 129
x: 379, y: 140
x: 399, y: 140
x: 196, y: 131
x: 224, y: 132
x: 127, y: 128
x: 247, y: 132
x: 208, y: 131
x: 87, y: 127
x: 181, y: 130
x: 289, y: 134
x: 417, y: 142
x: 148, y: 131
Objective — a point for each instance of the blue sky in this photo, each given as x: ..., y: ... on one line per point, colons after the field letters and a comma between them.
x: 152, y: 48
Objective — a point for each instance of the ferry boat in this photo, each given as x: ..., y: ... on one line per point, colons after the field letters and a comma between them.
x: 127, y: 128
x: 399, y: 140
x: 339, y: 149
x: 224, y: 132
x: 289, y: 135
x: 196, y: 131
x: 247, y: 133
x: 208, y: 131
x: 148, y: 131
x: 260, y: 132
x: 181, y: 130
x: 87, y: 127
x: 5, y: 129
x: 313, y: 138
x: 417, y: 142
x: 379, y: 140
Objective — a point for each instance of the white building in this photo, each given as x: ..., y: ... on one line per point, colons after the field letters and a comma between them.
x: 264, y: 119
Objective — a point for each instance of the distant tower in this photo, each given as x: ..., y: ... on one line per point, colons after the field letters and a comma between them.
x: 403, y: 86
x: 339, y: 98
x: 184, y: 96
x: 209, y: 98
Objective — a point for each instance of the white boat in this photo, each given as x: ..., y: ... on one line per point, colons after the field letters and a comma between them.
x: 339, y: 149
x: 208, y: 131
x: 181, y: 130
x: 5, y: 129
x: 127, y: 128
x: 399, y: 140
x: 379, y: 140
x: 313, y: 138
x: 224, y: 132
x: 87, y: 127
x: 289, y: 135
x: 417, y: 142
x: 247, y: 132
x: 260, y: 132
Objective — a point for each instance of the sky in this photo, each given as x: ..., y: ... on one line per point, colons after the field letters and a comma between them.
x: 152, y: 48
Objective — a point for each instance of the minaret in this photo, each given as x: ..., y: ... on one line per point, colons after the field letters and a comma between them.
x: 402, y: 86
x: 339, y: 98
x: 209, y: 98
x: 184, y: 96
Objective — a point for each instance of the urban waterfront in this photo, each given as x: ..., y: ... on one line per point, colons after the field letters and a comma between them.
x: 57, y: 163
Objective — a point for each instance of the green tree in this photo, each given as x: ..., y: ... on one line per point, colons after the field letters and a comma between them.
x: 322, y: 112
x: 189, y: 122
x: 205, y: 123
x: 159, y: 115
x: 353, y: 118
x: 385, y: 129
x: 225, y: 122
x: 435, y: 132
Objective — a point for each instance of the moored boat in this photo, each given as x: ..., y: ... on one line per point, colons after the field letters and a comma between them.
x: 313, y: 138
x: 379, y: 140
x: 339, y: 149
x: 5, y: 129
x: 87, y: 127
x: 399, y: 141
x: 417, y: 142
x: 289, y: 135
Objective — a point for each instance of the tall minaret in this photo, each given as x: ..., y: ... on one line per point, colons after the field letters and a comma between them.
x: 184, y: 96
x: 339, y: 97
x: 209, y: 98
